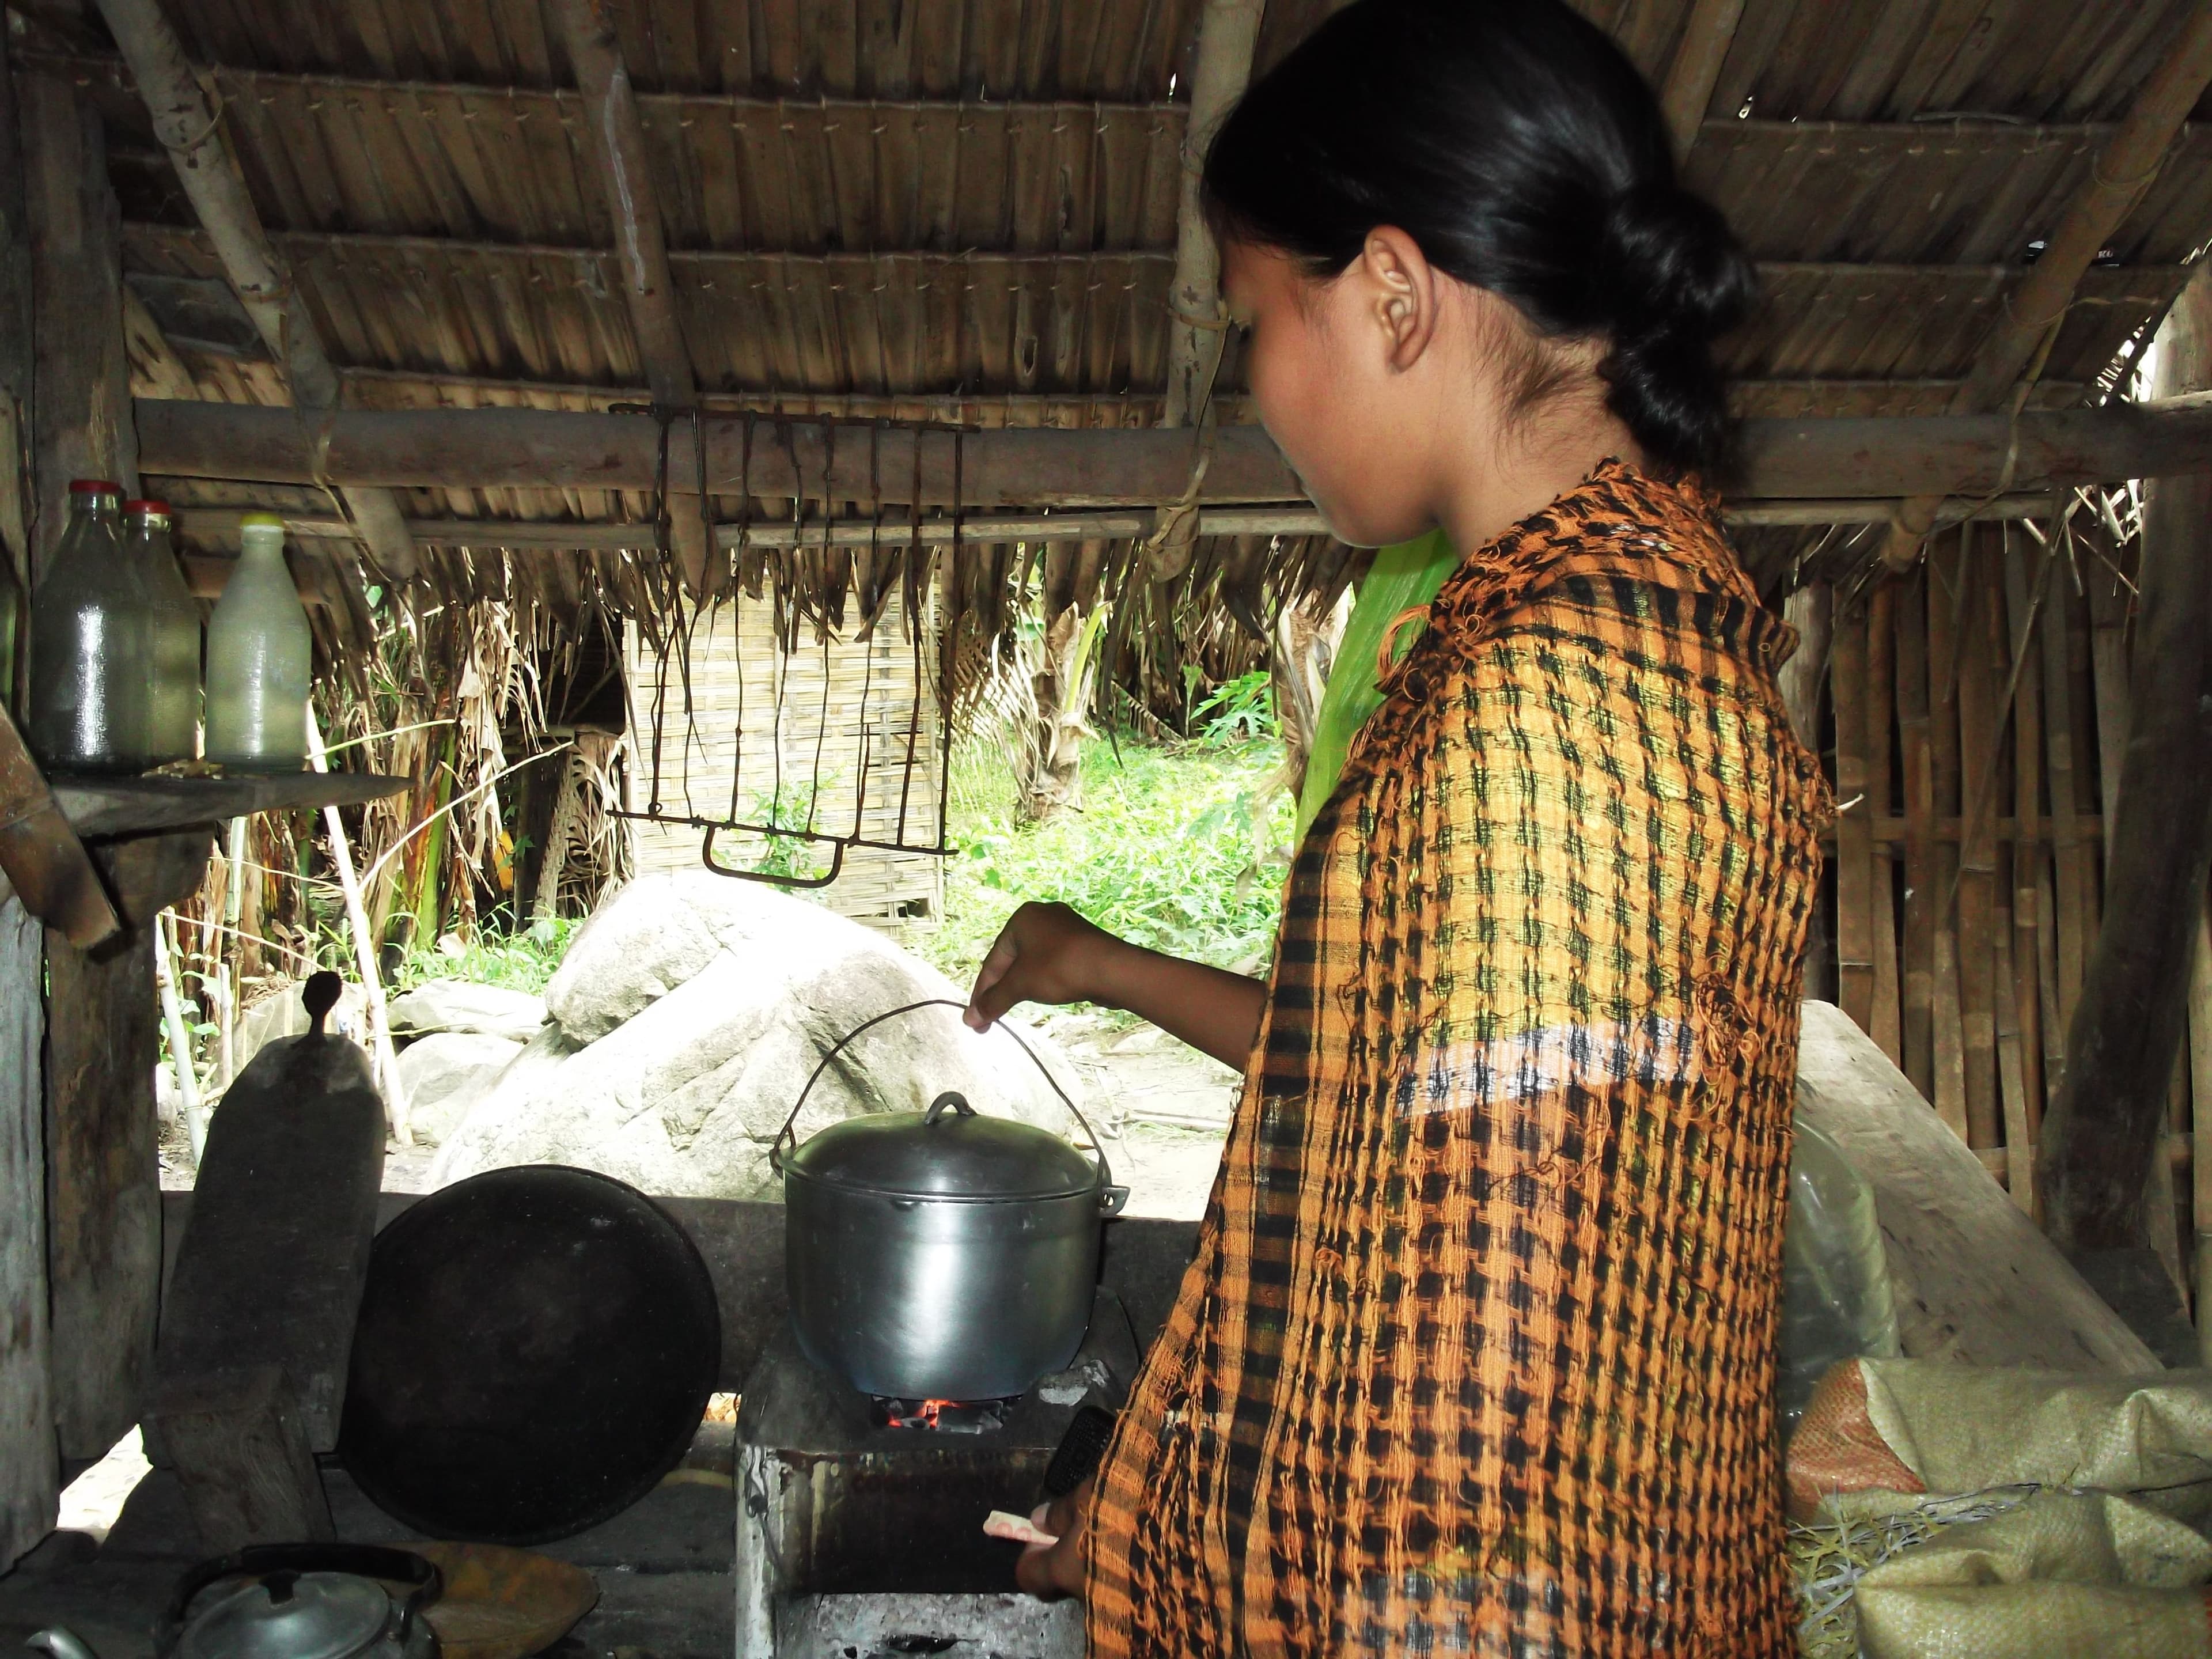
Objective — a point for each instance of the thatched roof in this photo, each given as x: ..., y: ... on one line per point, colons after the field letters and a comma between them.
x: 966, y: 210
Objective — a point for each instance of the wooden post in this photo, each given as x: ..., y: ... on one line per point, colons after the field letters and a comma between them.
x: 1947, y: 596
x: 103, y: 1178
x: 29, y: 1474
x: 30, y: 1471
x: 1915, y: 758
x: 81, y: 417
x: 2108, y: 1121
x: 190, y: 130
x: 1974, y: 912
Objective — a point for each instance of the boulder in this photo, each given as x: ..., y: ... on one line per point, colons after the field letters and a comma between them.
x: 280, y: 1014
x: 444, y: 1075
x: 689, y: 1015
x: 460, y: 1005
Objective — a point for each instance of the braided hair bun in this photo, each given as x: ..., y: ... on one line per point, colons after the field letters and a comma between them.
x: 1514, y: 141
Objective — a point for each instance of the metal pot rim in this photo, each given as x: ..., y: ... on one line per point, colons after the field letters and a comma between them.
x: 869, y: 1190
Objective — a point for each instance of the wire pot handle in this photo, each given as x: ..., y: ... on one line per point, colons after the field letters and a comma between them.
x: 1111, y: 1198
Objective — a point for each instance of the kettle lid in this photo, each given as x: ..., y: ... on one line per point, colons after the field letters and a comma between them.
x: 949, y: 1153
x: 308, y: 1615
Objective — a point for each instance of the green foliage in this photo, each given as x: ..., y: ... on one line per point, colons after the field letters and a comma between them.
x: 519, y: 960
x: 1180, y: 847
x: 1240, y: 711
x: 787, y: 807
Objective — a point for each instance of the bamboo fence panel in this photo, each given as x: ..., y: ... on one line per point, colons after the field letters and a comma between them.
x: 1978, y: 704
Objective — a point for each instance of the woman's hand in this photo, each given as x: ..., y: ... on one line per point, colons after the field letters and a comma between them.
x: 1050, y: 1572
x: 1045, y: 953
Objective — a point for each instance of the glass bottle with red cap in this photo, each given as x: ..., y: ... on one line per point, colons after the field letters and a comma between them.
x: 91, y: 644
x: 173, y: 714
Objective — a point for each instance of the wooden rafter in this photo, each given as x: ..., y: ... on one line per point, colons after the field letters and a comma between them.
x: 1696, y: 70
x: 1220, y: 67
x: 486, y: 448
x: 641, y: 239
x: 2123, y: 171
x: 191, y: 131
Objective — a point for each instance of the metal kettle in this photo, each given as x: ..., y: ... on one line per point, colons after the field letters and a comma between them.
x: 292, y: 1602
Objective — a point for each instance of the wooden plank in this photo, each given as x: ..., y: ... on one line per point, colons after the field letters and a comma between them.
x: 1868, y: 458
x: 1916, y: 758
x: 242, y: 1459
x: 130, y: 806
x: 29, y: 1475
x: 2029, y: 860
x: 1974, y: 1281
x: 1947, y: 596
x: 1881, y: 699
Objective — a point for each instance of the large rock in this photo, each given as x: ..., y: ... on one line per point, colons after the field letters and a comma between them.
x: 460, y: 1005
x: 281, y: 1015
x: 445, y: 1074
x: 689, y: 1015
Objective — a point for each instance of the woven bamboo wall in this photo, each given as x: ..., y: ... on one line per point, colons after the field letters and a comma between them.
x: 1979, y: 706
x: 831, y: 721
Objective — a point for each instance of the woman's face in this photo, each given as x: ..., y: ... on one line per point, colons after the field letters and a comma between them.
x: 1355, y: 427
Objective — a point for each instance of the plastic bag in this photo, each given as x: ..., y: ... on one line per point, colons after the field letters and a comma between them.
x: 1835, y: 1302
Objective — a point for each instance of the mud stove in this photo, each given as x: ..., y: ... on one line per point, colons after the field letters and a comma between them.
x: 859, y: 1521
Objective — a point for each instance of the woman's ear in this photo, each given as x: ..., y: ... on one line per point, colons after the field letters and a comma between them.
x: 1403, y: 294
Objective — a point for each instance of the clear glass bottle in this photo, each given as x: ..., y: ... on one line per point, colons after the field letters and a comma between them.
x: 259, y: 655
x: 174, y: 714
x: 91, y: 638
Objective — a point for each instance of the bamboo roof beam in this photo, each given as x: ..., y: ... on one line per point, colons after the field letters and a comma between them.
x: 1696, y: 70
x: 1966, y: 456
x: 641, y: 240
x: 190, y: 131
x: 2123, y: 171
x: 1220, y: 69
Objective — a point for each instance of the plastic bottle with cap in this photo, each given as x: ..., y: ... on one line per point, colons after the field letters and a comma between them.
x: 91, y: 642
x: 173, y: 710
x: 259, y: 656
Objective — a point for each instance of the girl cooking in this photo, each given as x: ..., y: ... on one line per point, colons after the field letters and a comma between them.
x: 1476, y: 1351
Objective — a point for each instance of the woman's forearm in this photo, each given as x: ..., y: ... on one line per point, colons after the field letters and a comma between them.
x: 1211, y: 1009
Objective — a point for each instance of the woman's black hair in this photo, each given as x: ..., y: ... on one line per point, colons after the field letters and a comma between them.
x: 1517, y: 145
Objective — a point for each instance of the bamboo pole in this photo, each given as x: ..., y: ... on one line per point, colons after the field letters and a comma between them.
x: 233, y: 952
x: 1981, y: 624
x: 190, y: 128
x: 2012, y: 1074
x: 1916, y: 756
x: 180, y: 1037
x: 1882, y: 698
x: 1854, y: 826
x: 1946, y: 598
x: 364, y: 951
x: 2028, y: 857
x: 2200, y: 1091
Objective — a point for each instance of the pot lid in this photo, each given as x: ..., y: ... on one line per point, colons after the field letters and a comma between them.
x: 313, y: 1615
x: 949, y: 1152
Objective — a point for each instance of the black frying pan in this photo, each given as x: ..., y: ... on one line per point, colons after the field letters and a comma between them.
x: 535, y: 1352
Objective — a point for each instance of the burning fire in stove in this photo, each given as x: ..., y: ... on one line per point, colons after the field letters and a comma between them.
x: 943, y: 1416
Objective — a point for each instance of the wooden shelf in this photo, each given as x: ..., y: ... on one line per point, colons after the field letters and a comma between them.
x: 99, y: 806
